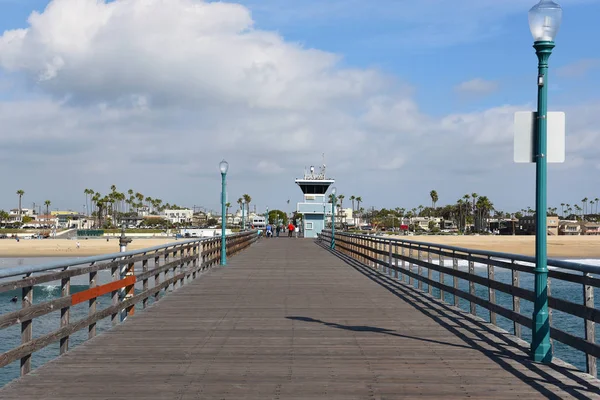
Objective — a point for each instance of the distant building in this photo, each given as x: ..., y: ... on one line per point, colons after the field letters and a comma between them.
x: 315, y: 208
x: 527, y: 225
x: 178, y: 216
x: 569, y: 227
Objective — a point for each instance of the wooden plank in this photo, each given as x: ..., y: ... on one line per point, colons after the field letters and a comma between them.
x: 101, y: 290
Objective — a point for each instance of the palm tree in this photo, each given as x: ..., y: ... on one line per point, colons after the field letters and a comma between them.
x: 596, y: 200
x: 562, y: 209
x: 247, y: 199
x: 47, y: 204
x: 584, y: 204
x: 20, y: 193
x: 434, y: 198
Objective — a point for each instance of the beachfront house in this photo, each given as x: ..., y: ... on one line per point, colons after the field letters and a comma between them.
x: 591, y: 228
x: 183, y: 216
x: 424, y: 223
x: 569, y: 227
x: 526, y: 225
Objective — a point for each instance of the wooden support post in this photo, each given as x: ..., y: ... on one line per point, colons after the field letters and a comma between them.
x: 156, y: 275
x: 26, y: 327
x: 411, y: 280
x: 472, y: 305
x: 145, y: 281
x: 65, y: 290
x: 116, y: 275
x: 516, y: 300
x: 93, y: 279
x: 455, y: 267
x: 405, y: 276
x: 182, y: 266
x: 429, y: 271
x: 419, y: 270
x: 549, y: 291
x: 130, y: 290
x: 195, y: 260
x: 491, y: 291
x: 166, y: 275
x: 391, y: 259
x: 590, y: 327
x: 442, y: 276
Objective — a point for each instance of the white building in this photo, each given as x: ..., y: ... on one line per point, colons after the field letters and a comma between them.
x: 178, y: 216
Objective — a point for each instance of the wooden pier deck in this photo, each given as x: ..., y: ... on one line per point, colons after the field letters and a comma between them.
x: 288, y: 320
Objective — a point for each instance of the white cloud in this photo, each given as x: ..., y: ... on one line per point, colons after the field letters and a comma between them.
x: 578, y: 68
x: 477, y: 86
x: 153, y: 94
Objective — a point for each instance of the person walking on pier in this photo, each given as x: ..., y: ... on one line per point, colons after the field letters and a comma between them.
x: 269, y: 230
x: 290, y: 229
x: 277, y: 230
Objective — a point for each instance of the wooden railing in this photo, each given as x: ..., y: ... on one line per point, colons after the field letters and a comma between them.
x: 424, y: 264
x: 163, y: 269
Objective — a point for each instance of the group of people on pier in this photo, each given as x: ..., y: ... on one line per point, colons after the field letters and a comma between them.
x: 276, y: 230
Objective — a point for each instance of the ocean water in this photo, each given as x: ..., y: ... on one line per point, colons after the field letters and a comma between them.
x: 569, y: 291
x: 10, y: 337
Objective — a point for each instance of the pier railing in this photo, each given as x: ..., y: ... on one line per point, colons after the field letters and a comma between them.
x: 424, y: 266
x: 160, y: 270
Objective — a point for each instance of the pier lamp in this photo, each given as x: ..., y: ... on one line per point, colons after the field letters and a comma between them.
x: 243, y: 214
x: 333, y: 201
x: 223, y: 166
x: 544, y: 22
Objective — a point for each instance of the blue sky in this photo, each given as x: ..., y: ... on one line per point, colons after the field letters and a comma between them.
x: 391, y: 89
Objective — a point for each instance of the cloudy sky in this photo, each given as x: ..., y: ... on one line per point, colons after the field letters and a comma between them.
x: 403, y: 97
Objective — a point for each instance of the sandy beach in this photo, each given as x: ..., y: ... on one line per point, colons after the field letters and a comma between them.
x: 68, y: 248
x: 558, y: 246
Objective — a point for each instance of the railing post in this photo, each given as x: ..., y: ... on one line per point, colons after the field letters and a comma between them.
x: 472, y: 305
x: 442, y: 276
x: 419, y: 269
x: 195, y: 260
x: 405, y: 276
x: 391, y: 258
x: 156, y: 275
x: 26, y: 327
x: 145, y: 281
x: 429, y: 271
x: 65, y: 290
x: 166, y: 274
x: 182, y: 267
x: 455, y: 268
x: 549, y: 292
x: 115, y: 276
x: 590, y: 326
x: 516, y: 300
x: 93, y: 279
x: 491, y: 291
x: 126, y: 270
x: 411, y: 280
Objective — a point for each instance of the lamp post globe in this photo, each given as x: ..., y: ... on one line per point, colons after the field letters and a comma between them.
x: 223, y: 167
x: 544, y: 21
x: 333, y: 201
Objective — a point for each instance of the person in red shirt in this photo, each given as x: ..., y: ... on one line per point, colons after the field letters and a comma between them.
x: 291, y: 228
